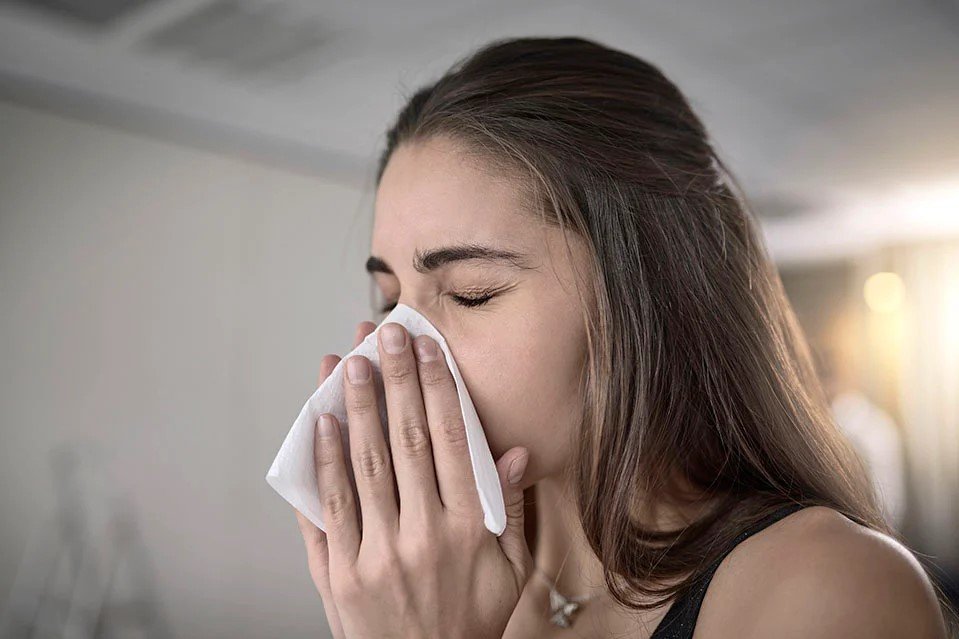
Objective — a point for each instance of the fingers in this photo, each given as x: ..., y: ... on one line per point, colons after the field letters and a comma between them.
x: 408, y: 429
x: 327, y: 364
x: 317, y: 553
x: 454, y: 469
x: 336, y: 495
x: 372, y: 466
x: 315, y: 540
x: 318, y: 562
x: 363, y: 329
x: 511, y: 469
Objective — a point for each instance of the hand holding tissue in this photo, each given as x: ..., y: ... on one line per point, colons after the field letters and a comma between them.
x: 293, y: 473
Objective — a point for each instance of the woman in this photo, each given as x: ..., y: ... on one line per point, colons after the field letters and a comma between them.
x: 556, y: 210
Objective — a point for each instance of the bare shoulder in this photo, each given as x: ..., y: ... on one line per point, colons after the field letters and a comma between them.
x: 815, y: 573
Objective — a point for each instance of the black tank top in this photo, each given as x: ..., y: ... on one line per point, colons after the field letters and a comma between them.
x: 680, y: 620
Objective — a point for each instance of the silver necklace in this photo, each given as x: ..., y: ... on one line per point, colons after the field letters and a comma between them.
x: 562, y: 608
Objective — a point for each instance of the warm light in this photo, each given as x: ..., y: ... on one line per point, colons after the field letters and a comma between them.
x: 884, y: 292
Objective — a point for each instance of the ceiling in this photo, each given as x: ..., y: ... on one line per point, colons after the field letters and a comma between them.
x: 807, y: 100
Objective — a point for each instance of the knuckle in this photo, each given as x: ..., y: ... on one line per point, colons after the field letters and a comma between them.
x: 325, y: 455
x: 373, y: 464
x: 468, y: 525
x: 413, y: 436
x: 376, y: 575
x: 453, y: 429
x: 336, y: 506
x: 346, y: 588
x: 435, y: 375
x: 398, y: 372
x: 423, y: 554
x: 361, y: 403
x: 385, y: 571
x: 473, y: 534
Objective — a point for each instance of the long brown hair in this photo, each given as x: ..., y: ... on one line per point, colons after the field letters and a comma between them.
x: 699, y: 384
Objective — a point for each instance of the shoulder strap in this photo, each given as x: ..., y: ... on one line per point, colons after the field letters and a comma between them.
x: 680, y: 619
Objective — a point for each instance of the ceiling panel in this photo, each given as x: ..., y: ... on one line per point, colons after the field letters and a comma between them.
x: 814, y: 96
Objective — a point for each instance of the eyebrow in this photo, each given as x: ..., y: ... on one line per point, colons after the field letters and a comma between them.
x: 432, y: 259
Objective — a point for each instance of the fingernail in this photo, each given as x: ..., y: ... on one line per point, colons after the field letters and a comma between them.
x: 426, y: 350
x: 326, y: 426
x: 358, y: 369
x: 517, y: 468
x: 394, y: 337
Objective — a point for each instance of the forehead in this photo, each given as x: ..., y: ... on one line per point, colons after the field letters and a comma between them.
x: 432, y: 193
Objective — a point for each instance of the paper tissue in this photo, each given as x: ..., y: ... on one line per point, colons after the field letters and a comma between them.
x: 293, y: 473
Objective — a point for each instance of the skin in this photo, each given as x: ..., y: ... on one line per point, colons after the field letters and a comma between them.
x: 431, y: 568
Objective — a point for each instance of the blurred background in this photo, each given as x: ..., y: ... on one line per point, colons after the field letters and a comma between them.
x: 185, y: 204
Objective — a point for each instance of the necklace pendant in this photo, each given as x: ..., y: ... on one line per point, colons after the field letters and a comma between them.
x: 562, y: 608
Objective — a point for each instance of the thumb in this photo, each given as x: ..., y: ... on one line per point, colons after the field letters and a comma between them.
x: 513, y: 540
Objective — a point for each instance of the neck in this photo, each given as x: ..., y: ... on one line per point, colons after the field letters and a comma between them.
x: 562, y: 551
x: 563, y: 554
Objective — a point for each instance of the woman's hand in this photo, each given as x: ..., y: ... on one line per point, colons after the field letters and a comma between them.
x: 317, y: 549
x: 422, y: 565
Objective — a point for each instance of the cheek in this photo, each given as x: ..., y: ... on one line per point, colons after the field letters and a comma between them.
x: 527, y: 395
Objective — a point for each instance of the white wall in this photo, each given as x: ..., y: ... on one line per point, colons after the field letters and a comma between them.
x: 170, y: 306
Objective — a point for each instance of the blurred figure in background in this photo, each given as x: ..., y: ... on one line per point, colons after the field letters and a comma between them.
x: 871, y: 430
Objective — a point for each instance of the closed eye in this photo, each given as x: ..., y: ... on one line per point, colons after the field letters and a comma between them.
x: 470, y: 302
x: 462, y: 300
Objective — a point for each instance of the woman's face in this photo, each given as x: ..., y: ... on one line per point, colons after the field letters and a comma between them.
x: 521, y: 352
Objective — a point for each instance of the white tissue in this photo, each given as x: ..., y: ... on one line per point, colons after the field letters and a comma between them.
x: 293, y: 473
